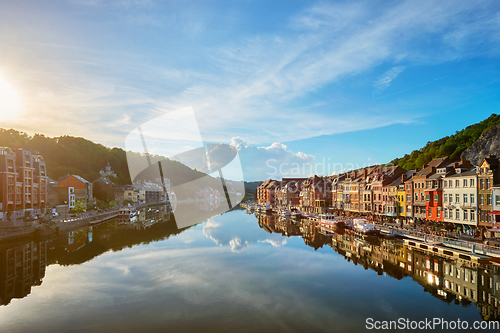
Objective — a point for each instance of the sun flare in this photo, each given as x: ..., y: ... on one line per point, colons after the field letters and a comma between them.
x: 10, y: 102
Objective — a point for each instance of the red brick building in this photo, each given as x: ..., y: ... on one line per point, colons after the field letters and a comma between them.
x: 23, y: 186
x: 82, y: 190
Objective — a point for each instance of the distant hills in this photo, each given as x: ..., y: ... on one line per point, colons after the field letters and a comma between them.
x: 452, y: 146
x: 72, y: 155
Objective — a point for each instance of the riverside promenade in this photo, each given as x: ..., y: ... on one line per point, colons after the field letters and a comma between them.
x: 463, y: 245
x: 56, y: 226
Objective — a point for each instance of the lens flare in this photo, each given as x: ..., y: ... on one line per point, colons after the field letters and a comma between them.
x: 10, y: 102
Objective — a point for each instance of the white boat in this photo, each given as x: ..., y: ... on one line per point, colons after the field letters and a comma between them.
x: 284, y: 212
x: 296, y: 214
x: 329, y: 220
x: 127, y: 212
x: 364, y: 227
x: 264, y: 209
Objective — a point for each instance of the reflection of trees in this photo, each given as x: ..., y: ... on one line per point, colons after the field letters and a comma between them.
x: 111, y: 236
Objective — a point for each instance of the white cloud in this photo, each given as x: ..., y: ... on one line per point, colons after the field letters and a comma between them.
x: 274, y: 161
x: 385, y: 79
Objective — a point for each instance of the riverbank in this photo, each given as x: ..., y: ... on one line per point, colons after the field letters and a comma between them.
x: 54, y: 227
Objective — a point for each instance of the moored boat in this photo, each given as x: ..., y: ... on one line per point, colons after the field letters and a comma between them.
x: 330, y: 220
x: 364, y: 227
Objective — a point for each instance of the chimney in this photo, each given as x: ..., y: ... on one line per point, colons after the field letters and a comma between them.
x: 365, y: 173
x: 491, y: 156
x: 404, y: 177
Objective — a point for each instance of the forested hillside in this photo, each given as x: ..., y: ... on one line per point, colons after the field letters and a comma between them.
x: 70, y: 155
x: 451, y: 146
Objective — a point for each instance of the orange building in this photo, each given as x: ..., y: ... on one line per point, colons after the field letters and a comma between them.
x: 82, y: 190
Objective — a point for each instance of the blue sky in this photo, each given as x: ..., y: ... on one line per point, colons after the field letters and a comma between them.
x: 357, y: 82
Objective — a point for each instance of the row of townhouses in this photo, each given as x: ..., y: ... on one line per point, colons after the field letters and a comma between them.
x: 466, y: 197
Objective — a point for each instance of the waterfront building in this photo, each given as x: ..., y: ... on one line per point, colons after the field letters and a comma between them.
x: 366, y: 192
x: 316, y: 194
x: 419, y: 187
x: 434, y: 191
x: 495, y: 212
x: 288, y: 194
x: 384, y: 177
x: 409, y: 200
x: 460, y: 199
x: 488, y: 174
x: 353, y: 189
x: 266, y: 192
x: 103, y: 188
x: 338, y: 187
x: 23, y: 186
x: 367, y: 196
x: 51, y: 193
x: 337, y: 191
x: 395, y: 206
x: 82, y: 190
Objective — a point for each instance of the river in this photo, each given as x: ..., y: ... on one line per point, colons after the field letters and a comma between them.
x: 230, y: 273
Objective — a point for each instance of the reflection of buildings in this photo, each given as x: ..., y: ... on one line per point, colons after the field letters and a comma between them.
x: 447, y: 278
x: 20, y: 268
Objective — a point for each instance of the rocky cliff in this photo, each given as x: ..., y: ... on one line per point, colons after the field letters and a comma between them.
x: 487, y: 144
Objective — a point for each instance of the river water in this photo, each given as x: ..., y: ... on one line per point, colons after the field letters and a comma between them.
x: 230, y: 273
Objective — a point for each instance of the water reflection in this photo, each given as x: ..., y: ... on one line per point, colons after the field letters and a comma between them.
x: 21, y: 267
x: 447, y: 278
x: 275, y: 273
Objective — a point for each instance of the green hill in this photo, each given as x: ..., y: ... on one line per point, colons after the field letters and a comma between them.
x: 71, y: 155
x: 451, y: 146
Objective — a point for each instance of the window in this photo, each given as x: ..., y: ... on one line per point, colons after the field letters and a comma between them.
x: 472, y: 215
x: 416, y: 196
x: 421, y: 196
x: 450, y: 183
x: 457, y: 183
x: 472, y: 198
x: 465, y: 182
x: 488, y: 199
x: 445, y: 183
x: 465, y: 198
x: 457, y: 214
x: 436, y: 198
x: 497, y: 199
x: 450, y: 196
x: 429, y: 213
x: 427, y: 197
x: 481, y: 199
x: 446, y: 213
x: 445, y: 198
x: 457, y: 198
x: 408, y: 197
x: 471, y: 183
x: 481, y: 184
x: 487, y: 183
x: 465, y: 215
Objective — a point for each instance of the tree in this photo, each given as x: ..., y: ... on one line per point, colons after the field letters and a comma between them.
x: 79, y: 206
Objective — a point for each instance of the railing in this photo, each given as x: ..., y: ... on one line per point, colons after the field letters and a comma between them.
x: 450, y: 242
